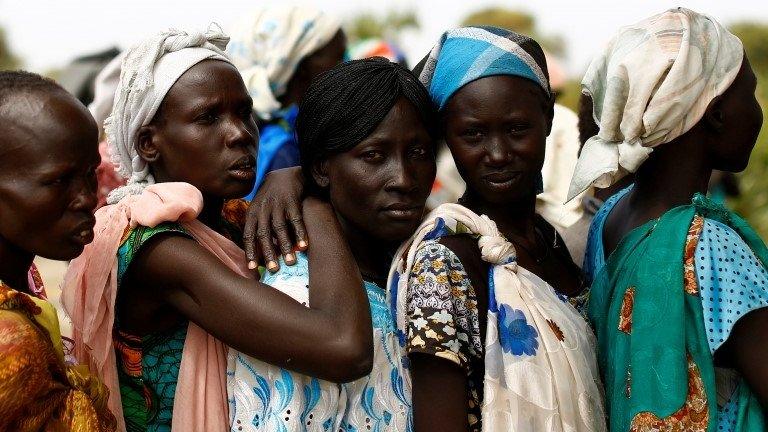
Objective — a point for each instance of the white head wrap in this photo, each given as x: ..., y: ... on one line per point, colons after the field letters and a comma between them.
x: 148, y: 72
x: 268, y: 45
x: 651, y: 84
x: 104, y: 91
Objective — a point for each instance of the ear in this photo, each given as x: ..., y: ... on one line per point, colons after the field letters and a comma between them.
x: 714, y: 116
x: 147, y: 147
x: 320, y: 173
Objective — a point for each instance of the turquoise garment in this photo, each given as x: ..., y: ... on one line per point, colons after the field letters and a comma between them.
x: 731, y: 280
x: 277, y: 146
x: 147, y: 366
x: 264, y: 397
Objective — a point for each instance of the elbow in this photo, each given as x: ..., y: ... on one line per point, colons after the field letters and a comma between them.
x: 354, y: 361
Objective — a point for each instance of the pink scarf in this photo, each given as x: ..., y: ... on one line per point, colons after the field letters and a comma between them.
x: 90, y: 288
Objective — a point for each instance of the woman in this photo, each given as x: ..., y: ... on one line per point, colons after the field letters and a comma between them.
x: 164, y: 285
x: 278, y: 50
x: 491, y: 341
x: 47, y: 196
x: 679, y: 290
x: 376, y: 171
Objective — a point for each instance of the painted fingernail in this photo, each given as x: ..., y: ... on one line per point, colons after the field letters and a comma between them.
x: 302, y: 244
x: 290, y: 259
x: 251, y: 265
x: 272, y: 266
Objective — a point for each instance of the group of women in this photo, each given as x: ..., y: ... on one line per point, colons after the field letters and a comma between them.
x: 473, y: 317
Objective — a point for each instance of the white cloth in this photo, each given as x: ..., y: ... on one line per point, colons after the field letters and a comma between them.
x: 148, y: 72
x: 557, y: 387
x: 652, y: 83
x: 269, y: 44
x: 104, y: 88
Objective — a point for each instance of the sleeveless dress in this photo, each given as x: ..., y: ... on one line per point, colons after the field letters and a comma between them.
x: 264, y: 397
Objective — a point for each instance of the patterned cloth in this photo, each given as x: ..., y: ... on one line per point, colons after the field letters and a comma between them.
x: 268, y: 45
x: 652, y: 83
x: 148, y: 365
x: 466, y: 54
x: 728, y: 280
x: 540, y: 371
x: 38, y: 391
x: 264, y: 397
x: 376, y: 47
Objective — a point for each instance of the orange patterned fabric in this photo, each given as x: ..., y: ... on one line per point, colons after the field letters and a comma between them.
x: 692, y: 417
x: 689, y: 282
x: 37, y: 391
x: 625, y: 315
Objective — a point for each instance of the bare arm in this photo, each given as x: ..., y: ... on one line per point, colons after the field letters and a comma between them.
x: 748, y: 355
x: 331, y: 339
x: 439, y: 394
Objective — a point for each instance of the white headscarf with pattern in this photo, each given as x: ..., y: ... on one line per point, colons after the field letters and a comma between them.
x: 269, y: 44
x: 652, y: 83
x: 147, y: 73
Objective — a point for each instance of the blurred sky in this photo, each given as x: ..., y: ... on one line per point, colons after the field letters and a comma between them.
x: 49, y: 33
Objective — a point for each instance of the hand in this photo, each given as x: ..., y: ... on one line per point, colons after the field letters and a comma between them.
x: 276, y: 205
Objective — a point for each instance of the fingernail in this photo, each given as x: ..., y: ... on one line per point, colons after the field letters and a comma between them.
x: 272, y: 266
x: 290, y: 259
x: 302, y: 244
x: 251, y: 265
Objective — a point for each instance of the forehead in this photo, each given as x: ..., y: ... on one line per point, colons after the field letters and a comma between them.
x: 37, y: 126
x: 402, y: 120
x: 206, y: 79
x: 500, y: 93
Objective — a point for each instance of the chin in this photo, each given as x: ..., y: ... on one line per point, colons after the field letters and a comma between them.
x: 64, y: 252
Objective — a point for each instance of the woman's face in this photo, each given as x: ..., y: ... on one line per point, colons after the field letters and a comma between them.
x: 48, y: 163
x: 741, y: 119
x: 380, y: 186
x: 496, y: 128
x: 204, y: 133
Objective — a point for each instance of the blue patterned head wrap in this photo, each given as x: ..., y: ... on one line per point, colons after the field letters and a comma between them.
x: 466, y: 54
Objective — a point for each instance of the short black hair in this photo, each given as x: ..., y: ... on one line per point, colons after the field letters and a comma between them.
x: 345, y: 104
x: 19, y: 81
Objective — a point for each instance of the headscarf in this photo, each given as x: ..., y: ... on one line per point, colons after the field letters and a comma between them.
x: 466, y: 54
x: 148, y: 72
x: 652, y: 83
x: 104, y: 89
x: 376, y: 47
x: 269, y: 44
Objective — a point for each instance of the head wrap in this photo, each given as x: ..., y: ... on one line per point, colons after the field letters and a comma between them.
x: 148, y: 72
x: 268, y: 45
x: 104, y: 91
x: 376, y: 47
x: 652, y: 83
x: 466, y: 54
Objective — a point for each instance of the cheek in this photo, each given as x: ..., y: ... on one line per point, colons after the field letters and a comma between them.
x: 30, y: 213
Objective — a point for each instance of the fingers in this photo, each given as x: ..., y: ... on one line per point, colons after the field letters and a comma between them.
x: 294, y: 216
x: 265, y: 242
x: 283, y: 239
x: 249, y: 235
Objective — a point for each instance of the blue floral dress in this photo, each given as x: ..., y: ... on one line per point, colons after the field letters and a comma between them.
x: 263, y: 397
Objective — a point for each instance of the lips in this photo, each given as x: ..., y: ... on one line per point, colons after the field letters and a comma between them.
x: 501, y: 179
x: 243, y: 168
x: 404, y: 211
x: 83, y: 232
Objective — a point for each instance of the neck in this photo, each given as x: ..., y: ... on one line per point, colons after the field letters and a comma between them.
x: 211, y: 213
x: 514, y: 219
x: 373, y: 257
x: 14, y: 265
x: 670, y: 177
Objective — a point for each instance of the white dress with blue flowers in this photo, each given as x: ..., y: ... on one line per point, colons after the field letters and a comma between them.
x: 538, y: 355
x: 263, y: 397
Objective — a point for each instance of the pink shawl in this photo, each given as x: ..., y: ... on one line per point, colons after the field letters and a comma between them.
x: 90, y: 288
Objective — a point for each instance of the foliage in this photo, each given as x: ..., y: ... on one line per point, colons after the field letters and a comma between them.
x: 367, y: 25
x: 518, y: 21
x: 7, y: 59
x: 753, y: 201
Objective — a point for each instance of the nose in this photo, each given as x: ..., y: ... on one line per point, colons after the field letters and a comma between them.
x: 241, y: 134
x: 401, y: 178
x: 85, y: 195
x: 499, y: 151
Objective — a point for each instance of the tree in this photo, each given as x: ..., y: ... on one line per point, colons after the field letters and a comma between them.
x: 7, y: 59
x: 368, y: 25
x: 753, y: 201
x: 517, y: 21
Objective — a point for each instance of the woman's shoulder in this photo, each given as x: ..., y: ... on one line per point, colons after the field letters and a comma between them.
x: 135, y: 238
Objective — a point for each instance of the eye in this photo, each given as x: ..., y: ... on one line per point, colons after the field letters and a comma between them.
x: 246, y: 112
x: 472, y: 134
x: 419, y: 152
x: 518, y: 128
x: 372, y: 156
x: 208, y: 117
